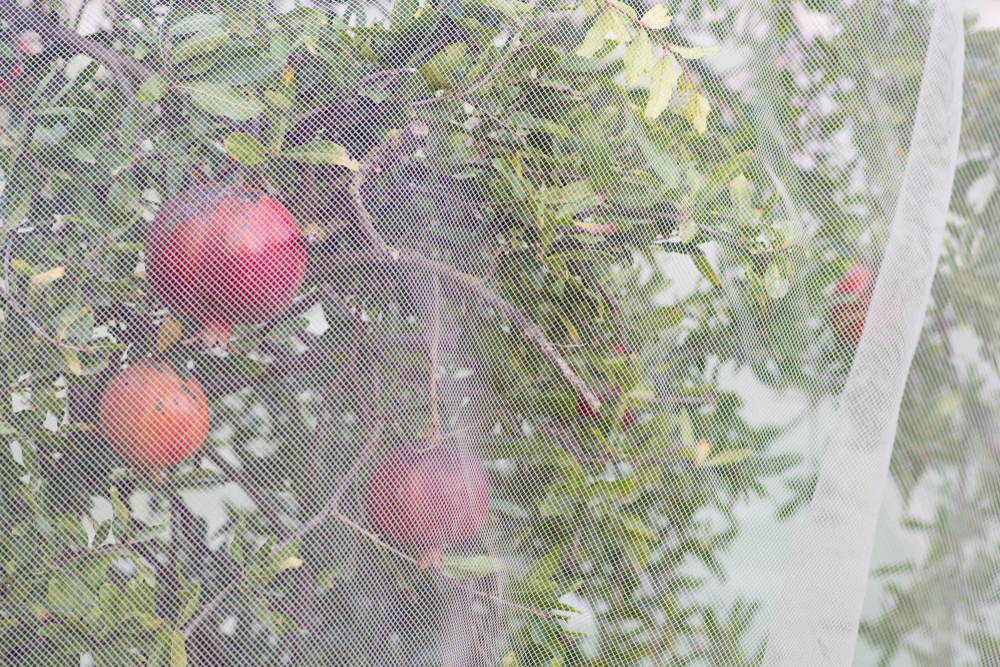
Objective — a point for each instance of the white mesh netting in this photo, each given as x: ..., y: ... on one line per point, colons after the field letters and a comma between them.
x: 500, y: 333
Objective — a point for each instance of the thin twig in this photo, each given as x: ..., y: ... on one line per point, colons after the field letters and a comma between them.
x: 616, y: 319
x: 529, y: 330
x: 433, y: 357
x: 118, y: 64
x: 259, y: 499
x: 37, y: 328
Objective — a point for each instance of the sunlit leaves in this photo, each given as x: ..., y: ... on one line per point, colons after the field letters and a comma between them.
x: 656, y: 18
x: 661, y: 87
x: 638, y: 58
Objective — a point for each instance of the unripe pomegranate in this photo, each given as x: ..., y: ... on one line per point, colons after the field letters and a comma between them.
x: 152, y: 417
x: 428, y: 497
x: 225, y: 255
x: 848, y: 318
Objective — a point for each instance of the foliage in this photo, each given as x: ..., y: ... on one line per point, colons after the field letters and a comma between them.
x: 487, y: 145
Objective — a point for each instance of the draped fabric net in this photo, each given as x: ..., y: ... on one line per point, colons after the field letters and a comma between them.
x: 471, y: 333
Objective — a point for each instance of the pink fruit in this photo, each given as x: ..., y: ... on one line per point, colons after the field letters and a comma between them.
x: 848, y: 318
x: 225, y: 255
x: 428, y: 497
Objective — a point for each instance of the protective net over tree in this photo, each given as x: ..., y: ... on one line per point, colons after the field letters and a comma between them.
x: 499, y: 333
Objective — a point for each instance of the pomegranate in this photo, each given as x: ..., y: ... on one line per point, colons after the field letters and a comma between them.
x: 428, y: 497
x: 152, y: 417
x: 848, y: 318
x: 225, y: 255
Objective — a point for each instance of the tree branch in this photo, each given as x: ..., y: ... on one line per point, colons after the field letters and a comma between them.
x: 529, y: 330
x: 433, y: 357
x: 118, y: 64
x: 259, y: 499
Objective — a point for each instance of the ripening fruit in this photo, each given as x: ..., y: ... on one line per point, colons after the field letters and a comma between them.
x: 848, y: 318
x: 152, y: 417
x: 225, y: 255
x: 428, y: 497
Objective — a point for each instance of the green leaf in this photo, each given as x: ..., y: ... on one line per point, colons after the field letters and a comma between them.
x: 274, y: 621
x: 594, y: 40
x: 692, y: 53
x: 178, y: 654
x: 657, y: 319
x: 656, y: 18
x: 638, y: 58
x: 288, y: 329
x: 195, y: 23
x: 189, y: 603
x: 701, y: 262
x: 686, y: 428
x: 17, y: 214
x: 7, y: 429
x: 120, y: 509
x: 101, y: 534
x: 222, y: 100
x: 160, y: 653
x: 729, y: 457
x: 661, y: 85
x: 149, y: 532
x: 72, y: 360
x: 82, y: 153
x: 545, y: 567
x: 283, y: 560
x: 69, y: 595
x: 322, y: 151
x: 278, y: 100
x: 239, y: 544
x: 775, y: 283
x: 202, y: 42
x: 636, y: 525
x: 514, y: 9
x: 110, y: 601
x: 245, y: 149
x: 473, y: 566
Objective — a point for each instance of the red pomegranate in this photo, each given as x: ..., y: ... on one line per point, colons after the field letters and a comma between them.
x: 848, y: 317
x: 225, y: 255
x: 428, y: 497
x: 152, y: 417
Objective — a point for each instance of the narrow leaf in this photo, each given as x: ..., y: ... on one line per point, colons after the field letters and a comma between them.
x: 638, y: 57
x: 692, y: 52
x: 322, y: 151
x: 245, y: 149
x: 222, y: 100
x: 661, y: 87
x: 656, y: 18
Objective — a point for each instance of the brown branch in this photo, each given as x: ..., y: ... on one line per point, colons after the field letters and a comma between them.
x: 433, y: 357
x: 118, y: 64
x: 529, y: 330
x: 259, y: 499
x: 616, y: 319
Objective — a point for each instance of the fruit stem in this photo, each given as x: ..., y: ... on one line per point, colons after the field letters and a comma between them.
x: 430, y: 556
x: 213, y: 333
